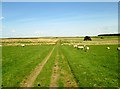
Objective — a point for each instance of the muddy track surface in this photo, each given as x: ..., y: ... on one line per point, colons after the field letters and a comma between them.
x: 31, y: 78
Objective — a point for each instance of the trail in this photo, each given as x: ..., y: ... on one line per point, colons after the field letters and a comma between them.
x: 63, y: 69
x: 55, y: 74
x: 67, y: 78
x: 31, y: 78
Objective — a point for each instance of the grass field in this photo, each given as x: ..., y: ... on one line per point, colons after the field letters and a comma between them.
x: 18, y: 62
x: 44, y: 78
x: 98, y: 67
x: 65, y: 67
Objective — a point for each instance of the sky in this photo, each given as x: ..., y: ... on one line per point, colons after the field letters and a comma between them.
x: 41, y: 19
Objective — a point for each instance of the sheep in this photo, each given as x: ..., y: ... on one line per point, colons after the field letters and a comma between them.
x: 75, y: 46
x: 80, y: 47
x: 22, y: 45
x: 86, y: 48
x: 0, y: 45
x: 108, y: 47
x: 69, y: 44
x: 118, y: 48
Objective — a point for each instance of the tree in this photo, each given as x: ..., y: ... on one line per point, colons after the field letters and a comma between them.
x: 87, y: 38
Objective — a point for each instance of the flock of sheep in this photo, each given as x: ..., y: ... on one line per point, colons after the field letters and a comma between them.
x: 86, y: 48
x: 82, y: 47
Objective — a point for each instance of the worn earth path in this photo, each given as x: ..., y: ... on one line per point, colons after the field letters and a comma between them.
x: 55, y: 73
x: 31, y: 78
x: 61, y: 72
x: 67, y: 76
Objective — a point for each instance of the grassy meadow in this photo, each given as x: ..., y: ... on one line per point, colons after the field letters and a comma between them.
x: 18, y: 62
x: 98, y: 67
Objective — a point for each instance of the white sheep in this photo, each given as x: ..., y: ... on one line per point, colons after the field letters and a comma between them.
x: 86, y: 48
x: 0, y: 45
x: 75, y: 46
x: 61, y: 44
x: 80, y: 47
x: 69, y: 44
x: 118, y: 48
x: 108, y: 47
x: 22, y: 45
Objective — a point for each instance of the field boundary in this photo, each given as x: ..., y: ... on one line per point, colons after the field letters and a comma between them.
x: 31, y: 78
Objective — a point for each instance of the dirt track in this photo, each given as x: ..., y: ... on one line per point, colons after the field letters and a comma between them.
x: 55, y: 73
x: 67, y: 77
x: 31, y: 78
x: 62, y: 68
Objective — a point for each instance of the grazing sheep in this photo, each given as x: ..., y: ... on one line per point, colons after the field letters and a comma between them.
x: 75, y: 46
x: 118, y: 48
x: 61, y: 44
x: 0, y: 45
x: 80, y: 47
x: 108, y: 47
x: 22, y: 45
x: 86, y: 48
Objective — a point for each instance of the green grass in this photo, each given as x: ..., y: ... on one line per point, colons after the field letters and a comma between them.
x: 18, y: 62
x: 65, y: 71
x: 45, y: 76
x: 0, y: 66
x: 97, y: 67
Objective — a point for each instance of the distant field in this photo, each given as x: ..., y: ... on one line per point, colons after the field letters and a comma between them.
x: 96, y: 40
x: 54, y: 62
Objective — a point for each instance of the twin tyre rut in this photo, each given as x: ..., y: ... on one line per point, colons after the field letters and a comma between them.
x: 55, y: 73
x: 32, y: 77
x: 61, y: 72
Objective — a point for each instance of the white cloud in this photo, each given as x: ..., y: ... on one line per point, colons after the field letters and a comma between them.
x: 1, y: 18
x: 13, y: 31
x: 38, y: 33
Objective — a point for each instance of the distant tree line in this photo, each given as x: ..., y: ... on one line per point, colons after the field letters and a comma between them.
x: 109, y: 34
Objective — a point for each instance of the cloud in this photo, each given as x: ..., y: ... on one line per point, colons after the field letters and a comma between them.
x: 38, y: 32
x: 13, y: 31
x: 1, y: 18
